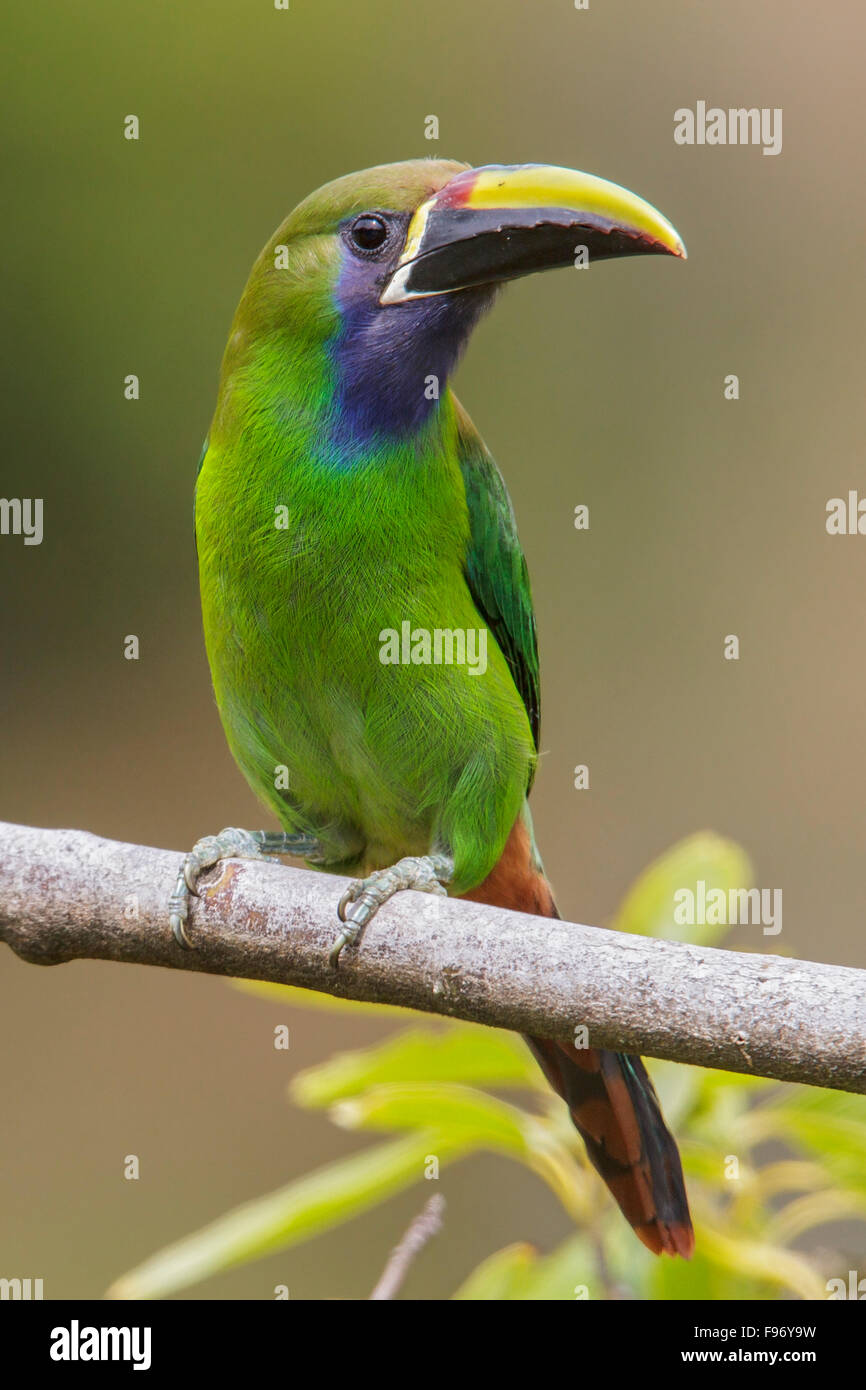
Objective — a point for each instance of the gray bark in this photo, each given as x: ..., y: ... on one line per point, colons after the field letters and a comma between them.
x: 67, y: 895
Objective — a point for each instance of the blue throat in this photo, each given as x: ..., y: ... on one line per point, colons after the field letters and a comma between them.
x: 392, y: 364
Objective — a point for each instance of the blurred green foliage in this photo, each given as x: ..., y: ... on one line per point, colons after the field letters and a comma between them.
x: 765, y: 1164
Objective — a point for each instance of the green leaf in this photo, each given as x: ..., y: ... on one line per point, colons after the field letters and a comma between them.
x: 472, y: 1114
x: 470, y: 1055
x: 503, y: 1275
x: 762, y: 1261
x: 702, y: 1279
x: 648, y: 907
x: 293, y: 1214
x: 481, y: 1122
x: 519, y: 1273
x: 817, y: 1209
x: 831, y: 1125
x: 569, y: 1274
x: 290, y: 996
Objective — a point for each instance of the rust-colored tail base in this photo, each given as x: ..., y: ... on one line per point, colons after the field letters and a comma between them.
x: 610, y: 1097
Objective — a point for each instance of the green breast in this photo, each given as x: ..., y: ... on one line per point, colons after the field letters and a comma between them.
x: 304, y: 571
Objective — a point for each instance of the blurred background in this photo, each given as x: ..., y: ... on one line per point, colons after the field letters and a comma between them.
x: 707, y: 518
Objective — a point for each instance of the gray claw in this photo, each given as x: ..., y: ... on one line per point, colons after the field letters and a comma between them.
x: 347, y: 937
x: 347, y: 899
x: 230, y: 843
x: 363, y: 898
x: 178, y: 928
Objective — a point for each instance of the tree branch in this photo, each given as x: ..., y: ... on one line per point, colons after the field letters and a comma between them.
x: 67, y: 895
x: 425, y: 1226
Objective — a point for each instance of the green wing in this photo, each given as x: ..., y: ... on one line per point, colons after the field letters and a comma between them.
x: 495, y: 568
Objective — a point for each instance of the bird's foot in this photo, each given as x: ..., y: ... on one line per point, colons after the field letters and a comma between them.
x: 231, y: 843
x: 363, y: 898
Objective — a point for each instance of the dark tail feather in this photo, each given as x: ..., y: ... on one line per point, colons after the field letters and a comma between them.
x: 615, y: 1110
x: 611, y: 1099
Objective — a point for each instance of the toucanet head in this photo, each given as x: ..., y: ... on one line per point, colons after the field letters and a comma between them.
x: 388, y: 270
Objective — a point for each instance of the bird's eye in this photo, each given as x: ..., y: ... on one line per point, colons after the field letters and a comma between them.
x: 369, y: 231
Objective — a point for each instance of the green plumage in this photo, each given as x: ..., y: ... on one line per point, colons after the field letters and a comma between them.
x: 382, y: 760
x: 343, y: 496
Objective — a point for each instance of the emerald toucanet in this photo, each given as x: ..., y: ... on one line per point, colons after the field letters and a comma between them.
x: 356, y: 540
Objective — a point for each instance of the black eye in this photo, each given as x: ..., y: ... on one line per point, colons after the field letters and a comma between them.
x: 369, y: 231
